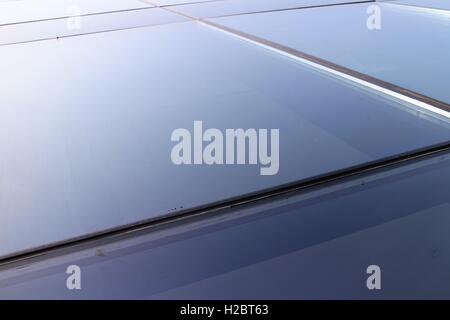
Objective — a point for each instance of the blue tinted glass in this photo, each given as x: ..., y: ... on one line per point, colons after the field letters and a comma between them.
x: 398, y: 52
x: 230, y: 7
x: 434, y: 4
x: 312, y: 245
x: 26, y: 10
x: 48, y: 29
x: 86, y: 125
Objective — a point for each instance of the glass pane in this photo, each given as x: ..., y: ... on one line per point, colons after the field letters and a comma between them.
x: 86, y: 125
x: 434, y: 4
x: 230, y: 7
x: 49, y: 29
x: 31, y: 10
x: 399, y: 52
x: 315, y: 245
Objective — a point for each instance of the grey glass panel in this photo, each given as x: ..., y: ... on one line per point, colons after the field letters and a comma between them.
x: 86, y: 125
x: 48, y: 29
x: 30, y: 10
x: 310, y: 246
x: 399, y: 52
x: 230, y: 7
x: 434, y: 4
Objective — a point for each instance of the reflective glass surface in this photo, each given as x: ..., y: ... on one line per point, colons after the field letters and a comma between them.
x: 48, y: 29
x: 231, y: 7
x: 314, y: 245
x: 86, y: 125
x: 399, y: 51
x: 435, y: 4
x: 30, y: 10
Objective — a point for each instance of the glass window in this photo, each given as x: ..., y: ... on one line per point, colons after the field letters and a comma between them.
x: 48, y: 29
x: 31, y: 10
x: 86, y: 125
x: 314, y: 245
x: 434, y: 4
x: 397, y: 52
x: 232, y: 7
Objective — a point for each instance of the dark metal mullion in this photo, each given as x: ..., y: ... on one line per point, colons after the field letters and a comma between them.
x: 301, y: 185
x: 336, y: 67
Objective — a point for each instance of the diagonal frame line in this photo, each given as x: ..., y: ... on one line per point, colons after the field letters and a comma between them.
x: 385, y: 87
x: 81, y: 15
x: 422, y: 101
x: 301, y: 185
x: 213, y: 208
x: 88, y: 33
x: 293, y: 8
